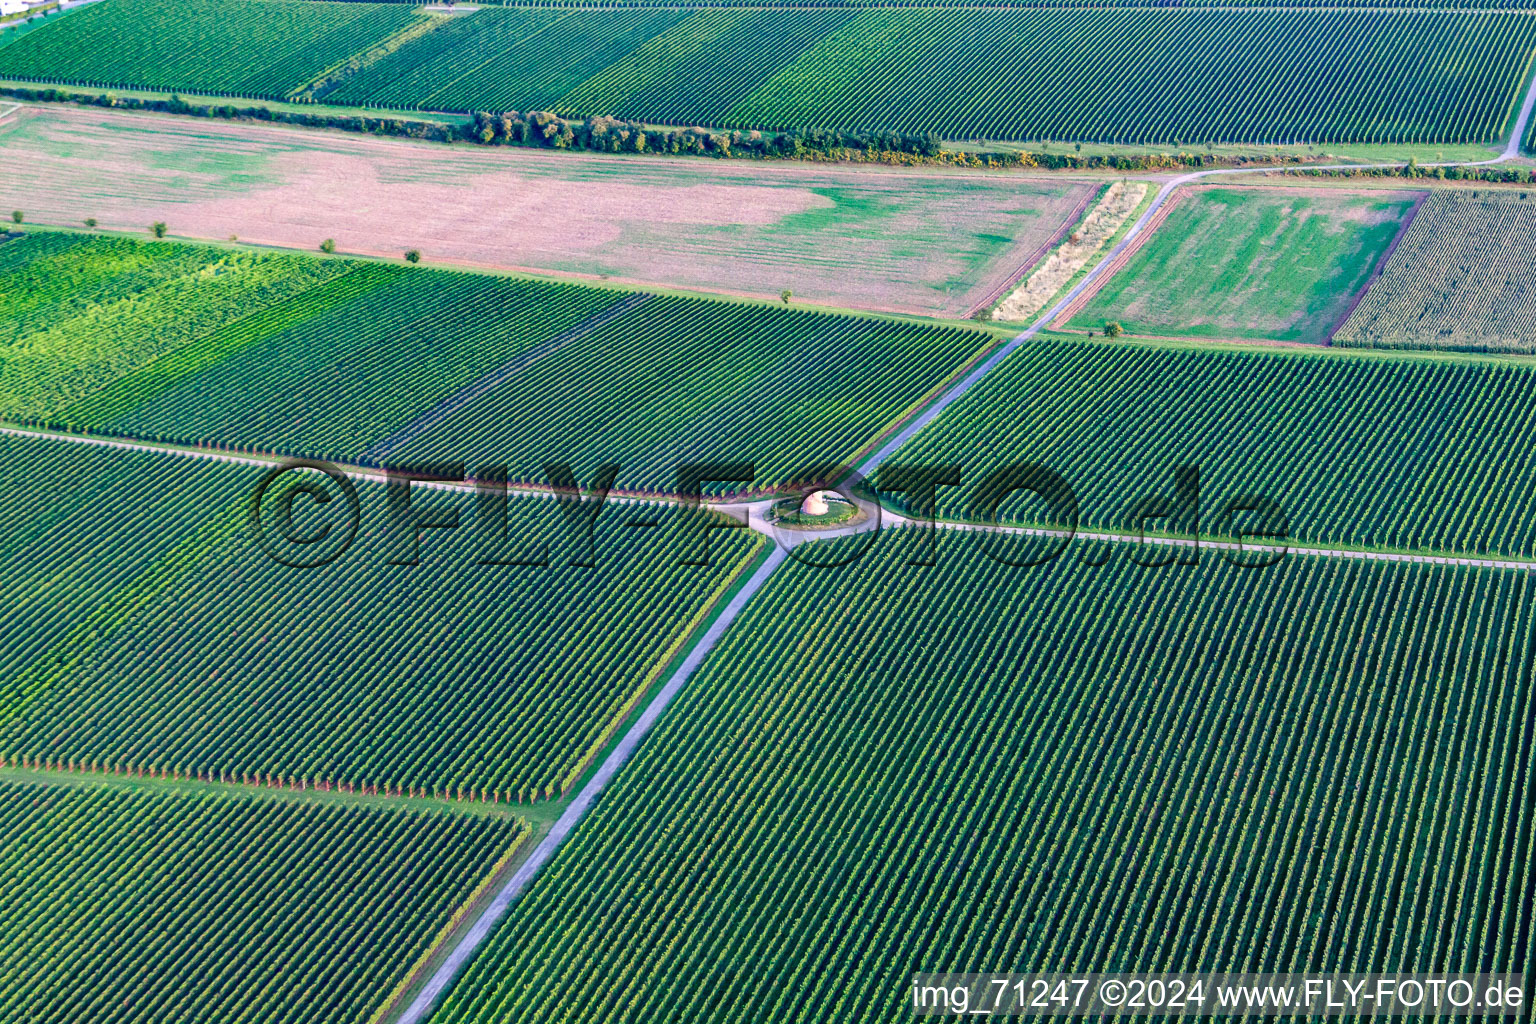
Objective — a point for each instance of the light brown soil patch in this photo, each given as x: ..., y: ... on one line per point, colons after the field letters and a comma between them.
x: 874, y: 238
x: 1103, y: 221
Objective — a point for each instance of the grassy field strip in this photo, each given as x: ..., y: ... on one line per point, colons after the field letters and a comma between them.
x: 1118, y: 260
x: 1381, y: 265
x: 1271, y: 262
x: 1033, y: 259
x: 1116, y: 206
x: 427, y: 998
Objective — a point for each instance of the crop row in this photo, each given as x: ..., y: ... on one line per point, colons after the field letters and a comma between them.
x: 229, y: 47
x: 129, y: 907
x: 370, y: 363
x: 1322, y: 765
x: 150, y: 634
x: 89, y: 311
x: 522, y: 59
x: 695, y: 72
x: 677, y: 380
x: 1459, y: 279
x: 1409, y: 454
x: 1178, y: 76
x: 1164, y: 75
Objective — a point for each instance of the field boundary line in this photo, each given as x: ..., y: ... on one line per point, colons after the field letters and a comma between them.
x: 1084, y: 297
x: 1379, y: 269
x: 427, y: 998
x: 1215, y: 544
x: 465, y: 395
x: 1041, y: 252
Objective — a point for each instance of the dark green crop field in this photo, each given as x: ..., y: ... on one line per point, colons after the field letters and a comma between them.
x: 1116, y: 74
x: 1409, y: 454
x: 181, y: 909
x: 147, y: 631
x: 1323, y: 765
x: 263, y: 48
x: 378, y: 363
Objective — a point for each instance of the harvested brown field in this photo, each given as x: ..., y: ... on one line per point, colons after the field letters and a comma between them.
x: 924, y: 242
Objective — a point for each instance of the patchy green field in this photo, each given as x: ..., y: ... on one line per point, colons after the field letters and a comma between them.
x: 1270, y: 263
x: 920, y: 242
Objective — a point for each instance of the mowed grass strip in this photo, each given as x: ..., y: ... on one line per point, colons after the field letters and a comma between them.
x: 187, y: 908
x: 265, y: 48
x: 1406, y: 454
x: 1280, y: 264
x: 886, y: 768
x: 1460, y: 279
x: 148, y: 633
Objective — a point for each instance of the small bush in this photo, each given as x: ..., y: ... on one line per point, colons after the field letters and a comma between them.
x: 413, y: 255
x: 90, y: 222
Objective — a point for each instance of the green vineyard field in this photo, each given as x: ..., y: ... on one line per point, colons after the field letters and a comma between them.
x: 526, y: 59
x: 1263, y: 76
x: 372, y: 363
x: 1324, y: 765
x: 184, y: 909
x: 149, y: 633
x: 1360, y: 451
x: 1142, y: 75
x: 1460, y: 279
x: 229, y: 47
x: 78, y: 313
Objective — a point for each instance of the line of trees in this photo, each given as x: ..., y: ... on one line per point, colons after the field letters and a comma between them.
x: 611, y: 135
